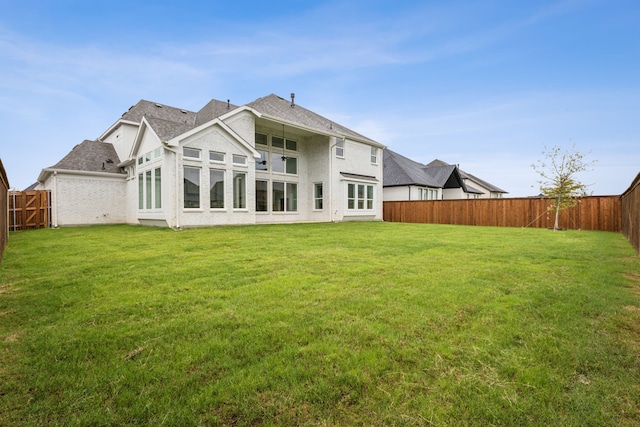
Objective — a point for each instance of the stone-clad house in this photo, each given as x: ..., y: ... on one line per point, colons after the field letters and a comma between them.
x: 269, y: 161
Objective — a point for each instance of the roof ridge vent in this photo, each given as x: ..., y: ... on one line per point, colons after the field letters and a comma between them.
x: 158, y: 105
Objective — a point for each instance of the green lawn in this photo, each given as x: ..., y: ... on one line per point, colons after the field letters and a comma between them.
x: 319, y: 324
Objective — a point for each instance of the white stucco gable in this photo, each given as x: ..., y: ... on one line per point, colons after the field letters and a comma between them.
x: 218, y: 127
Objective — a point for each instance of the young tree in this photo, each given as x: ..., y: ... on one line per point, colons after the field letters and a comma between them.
x: 558, y: 170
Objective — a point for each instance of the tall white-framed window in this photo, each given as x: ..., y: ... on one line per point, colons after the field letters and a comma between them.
x: 360, y: 196
x: 340, y: 148
x: 191, y: 190
x: 317, y: 196
x: 239, y: 190
x: 150, y: 189
x: 216, y: 188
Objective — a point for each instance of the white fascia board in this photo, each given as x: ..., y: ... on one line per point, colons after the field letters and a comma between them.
x: 114, y: 126
x: 144, y: 126
x: 175, y: 142
x: 238, y: 111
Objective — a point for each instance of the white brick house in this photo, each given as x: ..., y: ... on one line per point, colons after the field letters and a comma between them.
x: 268, y: 161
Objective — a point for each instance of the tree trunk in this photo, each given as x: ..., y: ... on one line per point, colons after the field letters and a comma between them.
x: 556, y: 225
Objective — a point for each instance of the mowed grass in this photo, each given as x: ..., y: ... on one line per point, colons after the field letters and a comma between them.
x: 319, y: 324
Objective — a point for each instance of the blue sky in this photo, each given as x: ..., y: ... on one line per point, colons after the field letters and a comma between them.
x: 483, y: 84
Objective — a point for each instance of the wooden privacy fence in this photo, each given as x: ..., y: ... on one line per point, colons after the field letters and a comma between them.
x: 630, y: 200
x: 4, y: 212
x: 592, y: 213
x: 29, y: 209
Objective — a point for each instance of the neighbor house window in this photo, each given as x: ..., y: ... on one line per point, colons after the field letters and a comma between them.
x: 262, y: 196
x: 216, y: 189
x: 374, y: 155
x: 239, y: 190
x: 191, y: 187
x: 340, y: 148
x: 359, y: 196
x: 317, y: 196
x: 191, y: 153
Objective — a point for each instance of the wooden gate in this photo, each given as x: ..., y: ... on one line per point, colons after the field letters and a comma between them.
x: 29, y: 209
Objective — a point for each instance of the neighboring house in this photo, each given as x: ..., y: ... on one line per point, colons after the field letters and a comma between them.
x: 269, y: 161
x: 406, y: 179
x: 477, y: 188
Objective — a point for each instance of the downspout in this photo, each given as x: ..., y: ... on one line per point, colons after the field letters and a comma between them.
x: 176, y: 186
x: 331, y: 182
x: 331, y: 155
x: 55, y: 199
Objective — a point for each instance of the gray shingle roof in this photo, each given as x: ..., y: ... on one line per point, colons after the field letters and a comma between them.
x: 213, y: 110
x: 162, y: 117
x: 400, y: 171
x: 159, y: 111
x: 280, y: 108
x: 91, y: 156
x: 166, y: 129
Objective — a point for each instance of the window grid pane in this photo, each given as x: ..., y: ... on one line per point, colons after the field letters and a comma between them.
x: 239, y: 190
x: 216, y: 189
x: 292, y: 197
x: 317, y: 194
x: 191, y: 187
x: 141, y: 191
x: 191, y: 153
x: 291, y: 165
x: 148, y: 184
x: 277, y: 197
x: 158, y: 188
x: 262, y: 190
